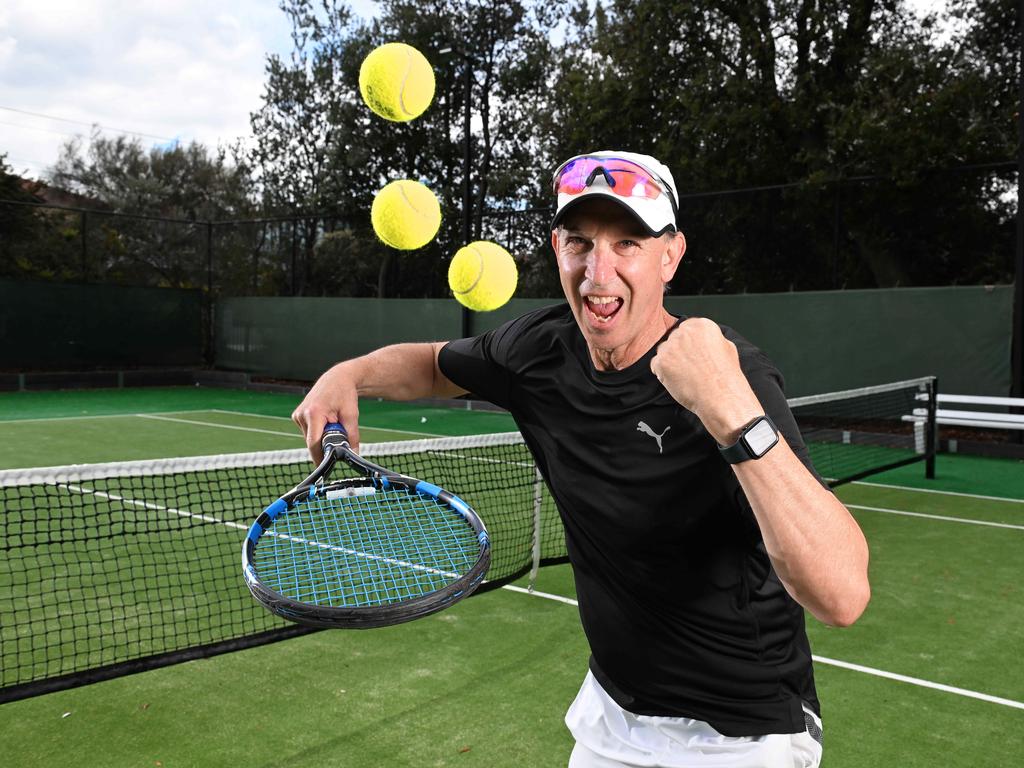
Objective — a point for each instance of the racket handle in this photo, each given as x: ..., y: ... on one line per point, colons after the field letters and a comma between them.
x: 334, y: 434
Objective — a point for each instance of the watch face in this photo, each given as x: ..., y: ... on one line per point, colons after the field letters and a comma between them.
x: 761, y: 437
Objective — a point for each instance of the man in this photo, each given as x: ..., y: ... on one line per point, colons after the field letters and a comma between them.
x: 695, y: 524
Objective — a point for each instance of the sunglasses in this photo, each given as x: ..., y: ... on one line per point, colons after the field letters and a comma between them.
x: 623, y: 177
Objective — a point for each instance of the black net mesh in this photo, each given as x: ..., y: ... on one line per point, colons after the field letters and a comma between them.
x: 101, y: 565
x: 860, y: 432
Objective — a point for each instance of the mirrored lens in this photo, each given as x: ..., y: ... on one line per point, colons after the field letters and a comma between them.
x: 623, y: 177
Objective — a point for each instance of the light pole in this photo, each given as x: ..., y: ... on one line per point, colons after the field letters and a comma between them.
x: 1017, y: 362
x: 1017, y: 332
x: 467, y: 159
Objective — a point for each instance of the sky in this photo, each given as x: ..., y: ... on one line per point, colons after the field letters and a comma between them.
x: 184, y: 70
x: 164, y: 71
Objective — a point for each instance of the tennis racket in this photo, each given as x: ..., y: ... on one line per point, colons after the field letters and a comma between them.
x: 363, y: 552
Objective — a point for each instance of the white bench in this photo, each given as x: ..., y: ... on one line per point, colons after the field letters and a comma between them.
x: 956, y: 417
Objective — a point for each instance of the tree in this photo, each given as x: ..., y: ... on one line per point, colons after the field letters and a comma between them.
x: 320, y: 150
x: 18, y: 225
x: 151, y: 203
x: 317, y: 153
x: 16, y: 221
x: 745, y: 94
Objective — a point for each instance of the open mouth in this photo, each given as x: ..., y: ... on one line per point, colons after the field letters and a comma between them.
x: 602, y: 308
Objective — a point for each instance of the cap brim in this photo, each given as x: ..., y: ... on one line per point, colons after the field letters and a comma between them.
x: 590, y: 195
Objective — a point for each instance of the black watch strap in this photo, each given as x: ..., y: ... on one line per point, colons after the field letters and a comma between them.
x: 758, y: 437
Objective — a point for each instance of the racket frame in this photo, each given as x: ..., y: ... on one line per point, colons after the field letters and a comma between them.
x: 336, y: 447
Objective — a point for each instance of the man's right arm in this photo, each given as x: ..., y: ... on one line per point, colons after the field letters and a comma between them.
x: 398, y: 372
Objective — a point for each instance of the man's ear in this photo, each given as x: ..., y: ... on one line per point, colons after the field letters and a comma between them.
x: 672, y: 255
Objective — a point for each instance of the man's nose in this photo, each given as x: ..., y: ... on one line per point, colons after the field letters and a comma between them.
x: 601, y: 264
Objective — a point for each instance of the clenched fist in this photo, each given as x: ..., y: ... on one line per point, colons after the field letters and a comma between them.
x: 700, y: 368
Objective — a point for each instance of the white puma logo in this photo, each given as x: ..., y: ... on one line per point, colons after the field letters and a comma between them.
x: 641, y: 426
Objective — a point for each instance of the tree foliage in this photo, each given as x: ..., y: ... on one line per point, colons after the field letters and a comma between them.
x: 178, y: 181
x: 320, y: 149
x: 816, y: 144
x: 18, y: 225
x: 141, y: 209
x: 817, y: 93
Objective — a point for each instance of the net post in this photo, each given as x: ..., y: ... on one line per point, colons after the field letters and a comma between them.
x: 538, y: 497
x: 932, y: 429
x: 859, y: 432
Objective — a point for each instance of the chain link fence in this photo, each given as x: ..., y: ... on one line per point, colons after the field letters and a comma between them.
x: 952, y: 227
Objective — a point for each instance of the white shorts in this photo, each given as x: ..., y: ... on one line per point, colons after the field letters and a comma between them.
x: 608, y: 736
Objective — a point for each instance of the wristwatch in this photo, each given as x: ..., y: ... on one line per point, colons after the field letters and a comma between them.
x: 757, y: 438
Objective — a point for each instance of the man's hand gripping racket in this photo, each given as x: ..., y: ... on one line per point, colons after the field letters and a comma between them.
x: 363, y: 552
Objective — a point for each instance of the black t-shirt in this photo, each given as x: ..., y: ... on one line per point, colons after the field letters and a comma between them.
x: 683, y: 612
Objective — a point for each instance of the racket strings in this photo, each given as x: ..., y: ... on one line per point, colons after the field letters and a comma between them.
x: 367, y: 550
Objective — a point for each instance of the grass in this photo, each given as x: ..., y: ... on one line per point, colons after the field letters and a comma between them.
x: 49, y: 428
x: 431, y: 693
x: 98, y: 402
x: 487, y: 682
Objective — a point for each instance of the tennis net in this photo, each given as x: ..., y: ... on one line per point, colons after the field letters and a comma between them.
x: 109, y: 569
x: 860, y: 432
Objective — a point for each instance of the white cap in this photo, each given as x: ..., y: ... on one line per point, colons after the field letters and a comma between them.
x: 657, y: 216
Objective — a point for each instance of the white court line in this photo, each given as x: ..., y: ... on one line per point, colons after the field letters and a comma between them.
x: 219, y: 426
x: 247, y: 413
x: 545, y: 595
x: 169, y: 416
x: 844, y: 664
x: 285, y: 418
x: 936, y: 517
x: 148, y: 505
x: 941, y: 493
x: 100, y: 416
x: 922, y: 683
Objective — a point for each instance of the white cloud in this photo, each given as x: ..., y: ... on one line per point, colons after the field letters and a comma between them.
x: 7, y: 46
x: 188, y: 70
x: 191, y: 69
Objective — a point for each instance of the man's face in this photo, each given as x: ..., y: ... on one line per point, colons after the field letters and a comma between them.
x: 613, y: 276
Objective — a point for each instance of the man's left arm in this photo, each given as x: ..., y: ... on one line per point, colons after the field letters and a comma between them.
x: 816, y: 547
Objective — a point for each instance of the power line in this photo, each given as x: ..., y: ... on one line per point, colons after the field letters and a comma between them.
x: 22, y: 161
x: 82, y: 122
x: 38, y: 128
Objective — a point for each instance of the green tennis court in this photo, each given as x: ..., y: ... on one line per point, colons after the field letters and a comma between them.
x: 47, y: 428
x: 486, y: 682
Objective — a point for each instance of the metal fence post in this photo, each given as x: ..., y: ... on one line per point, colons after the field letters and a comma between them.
x: 85, y: 245
x: 295, y: 247
x: 211, y: 351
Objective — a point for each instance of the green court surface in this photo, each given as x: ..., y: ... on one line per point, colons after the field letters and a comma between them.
x: 486, y: 683
x: 48, y: 428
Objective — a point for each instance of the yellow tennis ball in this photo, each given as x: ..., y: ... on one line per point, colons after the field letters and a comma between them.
x: 483, y: 276
x: 405, y: 215
x: 396, y: 82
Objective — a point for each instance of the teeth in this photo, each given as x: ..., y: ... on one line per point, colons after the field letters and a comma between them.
x: 601, y: 299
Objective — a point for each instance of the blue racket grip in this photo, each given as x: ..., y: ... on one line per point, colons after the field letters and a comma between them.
x: 334, y: 434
